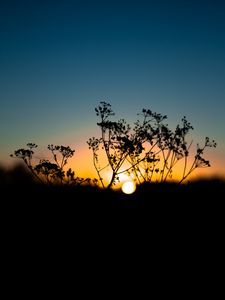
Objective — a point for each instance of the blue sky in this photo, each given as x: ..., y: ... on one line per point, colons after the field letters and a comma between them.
x: 58, y: 59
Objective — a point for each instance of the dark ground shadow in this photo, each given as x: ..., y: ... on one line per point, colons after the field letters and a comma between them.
x: 159, y: 222
x: 202, y: 198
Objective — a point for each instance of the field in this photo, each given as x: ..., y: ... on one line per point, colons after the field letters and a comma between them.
x: 202, y: 197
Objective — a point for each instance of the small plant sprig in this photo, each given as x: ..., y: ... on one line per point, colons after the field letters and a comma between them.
x: 51, y: 172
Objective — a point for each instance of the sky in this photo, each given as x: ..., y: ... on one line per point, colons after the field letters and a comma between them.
x: 59, y: 59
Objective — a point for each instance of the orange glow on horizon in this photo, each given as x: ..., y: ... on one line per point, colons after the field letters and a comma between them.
x: 82, y: 164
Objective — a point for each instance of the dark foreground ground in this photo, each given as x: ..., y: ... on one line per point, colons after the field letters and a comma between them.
x: 161, y: 233
x: 160, y: 229
x: 23, y: 199
x: 155, y: 215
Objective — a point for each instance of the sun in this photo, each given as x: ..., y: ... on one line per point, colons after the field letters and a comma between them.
x: 128, y: 187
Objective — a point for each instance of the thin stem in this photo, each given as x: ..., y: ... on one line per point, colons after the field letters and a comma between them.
x: 96, y: 168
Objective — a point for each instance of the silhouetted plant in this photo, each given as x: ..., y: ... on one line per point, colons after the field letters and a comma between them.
x: 149, y: 151
x: 51, y: 172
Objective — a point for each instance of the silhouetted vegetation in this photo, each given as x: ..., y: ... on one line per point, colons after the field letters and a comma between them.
x: 149, y: 151
x: 49, y: 172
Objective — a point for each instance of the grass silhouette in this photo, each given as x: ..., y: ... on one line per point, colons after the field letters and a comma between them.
x: 18, y: 184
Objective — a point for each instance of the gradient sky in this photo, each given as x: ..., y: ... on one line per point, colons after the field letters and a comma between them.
x: 58, y: 59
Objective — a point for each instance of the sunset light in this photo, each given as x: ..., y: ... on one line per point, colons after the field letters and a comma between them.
x: 129, y: 187
x: 100, y: 99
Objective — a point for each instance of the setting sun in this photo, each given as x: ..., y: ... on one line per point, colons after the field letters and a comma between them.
x: 128, y: 187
